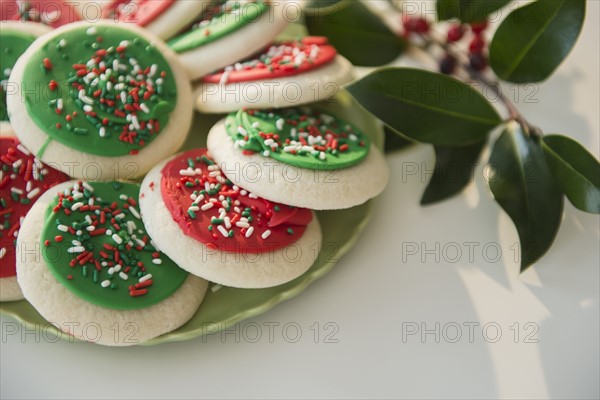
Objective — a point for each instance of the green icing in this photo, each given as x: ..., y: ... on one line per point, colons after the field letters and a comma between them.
x: 101, y: 90
x: 86, y: 281
x: 13, y: 43
x: 225, y: 18
x: 302, y: 137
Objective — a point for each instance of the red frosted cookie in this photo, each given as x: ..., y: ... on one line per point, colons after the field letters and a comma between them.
x: 23, y: 178
x: 285, y: 74
x: 221, y: 232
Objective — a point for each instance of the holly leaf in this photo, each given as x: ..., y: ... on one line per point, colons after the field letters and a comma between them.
x: 576, y: 171
x: 454, y: 167
x: 394, y: 141
x: 467, y: 10
x: 523, y: 186
x: 426, y: 106
x: 357, y: 33
x: 533, y: 40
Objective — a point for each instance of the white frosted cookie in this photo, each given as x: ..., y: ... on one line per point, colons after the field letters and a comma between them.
x: 230, y: 31
x: 101, y: 101
x: 223, y: 233
x: 15, y: 38
x: 23, y: 179
x: 285, y: 74
x: 299, y: 156
x: 110, y: 288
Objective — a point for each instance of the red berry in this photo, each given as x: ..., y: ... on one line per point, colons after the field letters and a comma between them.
x: 477, y: 44
x: 415, y: 24
x: 478, y: 61
x: 455, y: 33
x: 478, y: 27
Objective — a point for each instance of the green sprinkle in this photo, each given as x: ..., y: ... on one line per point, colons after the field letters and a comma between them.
x: 290, y: 231
x: 192, y: 214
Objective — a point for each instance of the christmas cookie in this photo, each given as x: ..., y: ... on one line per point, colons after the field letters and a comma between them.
x: 228, y: 32
x: 53, y: 13
x: 15, y: 38
x: 23, y: 178
x: 299, y: 156
x: 164, y: 18
x: 103, y: 101
x: 85, y: 260
x: 283, y: 75
x: 221, y: 232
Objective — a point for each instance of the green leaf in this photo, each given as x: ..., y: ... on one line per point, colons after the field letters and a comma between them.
x: 394, y: 141
x: 454, y: 167
x: 467, y: 10
x: 576, y: 171
x: 523, y: 186
x: 426, y: 106
x: 533, y: 40
x: 357, y: 33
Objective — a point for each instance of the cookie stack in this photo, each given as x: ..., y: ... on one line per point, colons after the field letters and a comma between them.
x: 96, y: 107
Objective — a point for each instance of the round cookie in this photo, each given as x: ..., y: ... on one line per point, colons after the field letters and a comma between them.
x: 23, y: 179
x: 103, y: 101
x: 15, y: 38
x: 85, y: 262
x: 164, y: 18
x: 223, y: 233
x: 285, y: 74
x: 228, y: 32
x: 299, y: 156
x: 53, y: 13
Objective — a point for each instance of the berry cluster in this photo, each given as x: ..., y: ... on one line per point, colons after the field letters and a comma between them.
x: 477, y: 46
x: 456, y: 32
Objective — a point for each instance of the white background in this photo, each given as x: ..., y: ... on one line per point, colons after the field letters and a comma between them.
x: 378, y: 291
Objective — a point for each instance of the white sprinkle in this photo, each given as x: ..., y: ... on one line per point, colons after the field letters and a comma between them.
x: 90, y: 228
x: 105, y: 283
x: 224, y: 78
x: 117, y: 267
x: 87, y: 186
x: 222, y: 230
x: 240, y: 224
x: 62, y: 43
x: 279, y: 124
x: 23, y: 149
x: 249, y: 231
x: 91, y: 31
x: 76, y: 249
x: 76, y: 206
x: 145, y: 277
x: 123, y: 276
x: 33, y: 193
x: 242, y: 131
x: 62, y: 228
x: 266, y: 153
x: 117, y: 238
x: 17, y: 163
x: 322, y: 156
x: 145, y: 108
x: 156, y: 261
x: 135, y: 212
x: 215, y: 287
x: 266, y: 234
x: 59, y: 104
x: 2, y: 252
x: 111, y: 270
x: 207, y: 206
x: 352, y: 137
x: 102, y: 131
x: 227, y: 221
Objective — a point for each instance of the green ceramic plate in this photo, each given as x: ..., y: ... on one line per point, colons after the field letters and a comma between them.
x: 225, y: 307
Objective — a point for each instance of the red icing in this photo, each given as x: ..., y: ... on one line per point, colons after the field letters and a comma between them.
x: 14, y: 210
x: 141, y: 12
x: 53, y: 13
x: 177, y: 199
x: 256, y: 69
